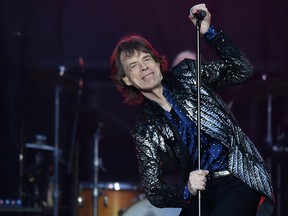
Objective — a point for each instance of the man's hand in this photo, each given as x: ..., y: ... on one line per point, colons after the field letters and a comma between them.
x: 197, y: 181
x: 205, y: 23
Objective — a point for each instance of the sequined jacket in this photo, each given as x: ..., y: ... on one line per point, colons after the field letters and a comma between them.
x: 154, y: 135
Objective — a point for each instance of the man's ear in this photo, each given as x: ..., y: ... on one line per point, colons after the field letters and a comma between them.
x: 126, y: 81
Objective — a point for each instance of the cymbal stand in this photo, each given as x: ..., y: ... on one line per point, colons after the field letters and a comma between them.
x: 22, y: 45
x: 73, y: 165
x: 96, y: 169
x: 56, y: 144
x: 269, y: 139
x: 269, y: 142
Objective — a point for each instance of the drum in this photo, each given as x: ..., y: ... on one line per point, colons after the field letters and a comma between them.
x: 113, y: 197
x: 144, y: 208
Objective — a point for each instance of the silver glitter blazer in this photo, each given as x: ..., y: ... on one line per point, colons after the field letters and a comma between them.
x: 153, y: 134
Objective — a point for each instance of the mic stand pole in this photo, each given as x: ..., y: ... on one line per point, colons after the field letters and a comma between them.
x: 96, y: 169
x: 198, y: 82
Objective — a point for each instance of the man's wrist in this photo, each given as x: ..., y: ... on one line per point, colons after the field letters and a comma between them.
x: 210, y: 33
x: 187, y: 195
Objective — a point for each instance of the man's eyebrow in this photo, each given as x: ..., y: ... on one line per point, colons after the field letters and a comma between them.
x: 131, y: 63
x: 147, y: 55
x: 134, y: 62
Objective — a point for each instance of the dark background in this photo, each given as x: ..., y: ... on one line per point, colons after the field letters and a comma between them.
x: 39, y: 36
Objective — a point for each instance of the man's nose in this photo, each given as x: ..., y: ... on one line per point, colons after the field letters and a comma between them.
x: 143, y: 66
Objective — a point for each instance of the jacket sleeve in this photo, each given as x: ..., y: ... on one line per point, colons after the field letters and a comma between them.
x: 232, y: 68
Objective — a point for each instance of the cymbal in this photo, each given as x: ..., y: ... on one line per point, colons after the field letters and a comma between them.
x: 54, y: 77
x: 40, y: 146
x: 257, y: 89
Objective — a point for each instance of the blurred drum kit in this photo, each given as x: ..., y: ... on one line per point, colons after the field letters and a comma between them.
x: 92, y: 199
x: 119, y: 199
x: 39, y: 168
x: 37, y: 173
x: 113, y: 198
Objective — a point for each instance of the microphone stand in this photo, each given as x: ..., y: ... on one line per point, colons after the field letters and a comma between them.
x: 198, y: 83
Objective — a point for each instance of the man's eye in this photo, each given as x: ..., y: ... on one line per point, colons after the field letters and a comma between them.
x: 134, y: 66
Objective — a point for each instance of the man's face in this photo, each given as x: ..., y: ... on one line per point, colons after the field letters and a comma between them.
x: 141, y: 71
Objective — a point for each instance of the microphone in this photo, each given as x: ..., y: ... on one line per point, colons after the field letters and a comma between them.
x: 200, y: 14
